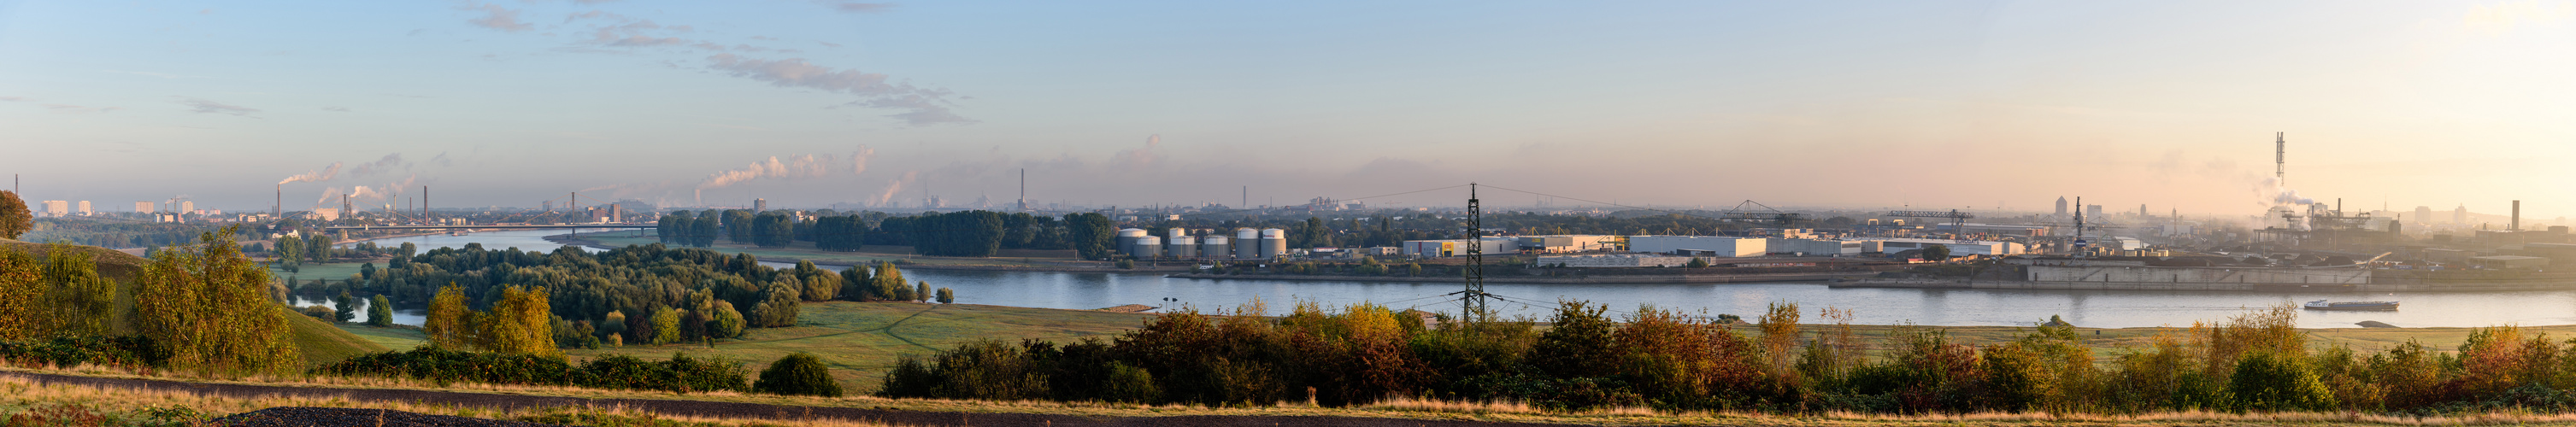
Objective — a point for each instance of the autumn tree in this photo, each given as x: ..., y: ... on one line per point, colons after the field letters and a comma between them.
x: 15, y: 219
x: 446, y: 325
x: 209, y: 307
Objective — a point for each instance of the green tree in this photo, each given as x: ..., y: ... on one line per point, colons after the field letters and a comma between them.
x: 772, y: 230
x: 921, y: 291
x: 1697, y: 262
x: 1579, y: 345
x: 209, y: 308
x: 737, y: 225
x: 947, y: 296
x: 798, y: 374
x: 15, y: 219
x: 2269, y: 381
x: 666, y: 326
x: 1090, y: 234
x: 820, y: 284
x: 380, y: 311
x: 728, y: 322
x: 22, y: 288
x: 1936, y: 252
x: 81, y: 301
x: 318, y: 248
x: 344, y: 308
x: 290, y: 251
x: 702, y: 233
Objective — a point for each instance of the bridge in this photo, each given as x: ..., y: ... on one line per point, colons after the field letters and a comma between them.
x: 491, y: 227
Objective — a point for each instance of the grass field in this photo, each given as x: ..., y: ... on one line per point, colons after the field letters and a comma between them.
x: 859, y: 340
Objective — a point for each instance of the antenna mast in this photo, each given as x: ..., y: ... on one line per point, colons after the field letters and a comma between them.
x: 2280, y: 159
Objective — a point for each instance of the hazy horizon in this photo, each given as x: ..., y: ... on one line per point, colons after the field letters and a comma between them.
x: 1964, y: 105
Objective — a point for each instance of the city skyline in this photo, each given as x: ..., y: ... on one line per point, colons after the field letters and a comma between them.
x: 808, y: 104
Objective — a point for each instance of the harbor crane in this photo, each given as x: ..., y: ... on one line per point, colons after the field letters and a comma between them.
x: 1744, y: 212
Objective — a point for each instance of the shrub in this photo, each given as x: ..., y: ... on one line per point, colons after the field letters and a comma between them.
x: 128, y: 351
x: 680, y: 374
x: 798, y: 374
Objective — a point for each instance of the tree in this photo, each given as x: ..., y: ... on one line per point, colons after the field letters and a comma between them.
x: 820, y: 284
x: 702, y: 233
x: 290, y: 251
x: 1936, y: 252
x: 318, y: 248
x: 446, y: 325
x: 1697, y: 262
x: 614, y: 326
x: 947, y: 296
x: 772, y: 230
x: 15, y: 219
x: 520, y: 323
x: 666, y: 326
x: 921, y: 292
x: 22, y: 287
x: 81, y: 301
x: 1090, y: 234
x: 728, y: 322
x: 380, y: 311
x: 798, y: 374
x: 344, y: 308
x: 737, y: 225
x: 209, y: 308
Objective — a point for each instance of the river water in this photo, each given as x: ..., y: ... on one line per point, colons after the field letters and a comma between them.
x: 1087, y: 290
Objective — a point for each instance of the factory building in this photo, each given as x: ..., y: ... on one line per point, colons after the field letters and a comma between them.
x: 1450, y: 248
x: 1179, y: 244
x: 1732, y: 247
x: 1995, y: 229
x: 1247, y: 243
x: 1613, y: 260
x: 1824, y: 247
x: 1957, y: 247
x: 1274, y: 244
x: 1127, y: 239
x: 1148, y: 247
x: 1568, y: 243
x: 1215, y: 247
x: 56, y: 208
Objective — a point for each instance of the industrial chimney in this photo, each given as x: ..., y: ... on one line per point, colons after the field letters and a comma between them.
x: 2516, y: 225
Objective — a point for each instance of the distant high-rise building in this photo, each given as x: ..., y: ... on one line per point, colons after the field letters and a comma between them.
x: 758, y: 205
x: 2142, y: 210
x: 2423, y: 214
x: 549, y: 205
x: 57, y: 208
x: 2061, y: 205
x: 2093, y: 211
x: 191, y: 205
x: 145, y: 207
x: 2460, y: 215
x: 84, y: 207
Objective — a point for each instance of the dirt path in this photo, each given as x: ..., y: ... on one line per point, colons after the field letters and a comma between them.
x: 750, y: 410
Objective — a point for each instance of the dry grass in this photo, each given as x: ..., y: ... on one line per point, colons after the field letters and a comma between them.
x: 129, y: 404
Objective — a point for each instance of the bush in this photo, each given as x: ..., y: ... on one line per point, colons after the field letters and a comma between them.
x: 70, y: 352
x: 798, y: 374
x: 680, y: 374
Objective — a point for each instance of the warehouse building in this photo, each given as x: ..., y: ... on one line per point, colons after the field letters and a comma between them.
x: 1824, y: 247
x: 1613, y: 260
x: 1450, y: 248
x: 1568, y: 243
x: 1700, y: 245
x: 1957, y: 247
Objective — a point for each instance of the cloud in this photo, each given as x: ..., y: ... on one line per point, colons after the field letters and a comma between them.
x: 78, y: 109
x: 12, y: 98
x: 829, y: 44
x: 386, y: 164
x: 926, y: 106
x: 500, y: 18
x: 325, y: 174
x: 857, y: 7
x: 763, y: 38
x: 1141, y: 157
x: 202, y: 106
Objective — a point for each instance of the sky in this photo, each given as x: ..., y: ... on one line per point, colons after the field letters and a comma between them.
x: 1924, y: 105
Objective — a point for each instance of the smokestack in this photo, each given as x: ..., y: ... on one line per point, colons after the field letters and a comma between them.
x: 2516, y: 225
x: 279, y: 210
x: 424, y: 201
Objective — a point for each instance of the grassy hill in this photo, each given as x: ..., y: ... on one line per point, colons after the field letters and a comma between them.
x: 321, y: 342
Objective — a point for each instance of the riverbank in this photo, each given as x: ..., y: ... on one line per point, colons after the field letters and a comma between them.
x: 908, y: 262
x: 1936, y: 283
x: 1562, y: 280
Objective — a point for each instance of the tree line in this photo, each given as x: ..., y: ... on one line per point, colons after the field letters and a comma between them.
x: 964, y: 234
x: 1585, y: 359
x: 205, y: 307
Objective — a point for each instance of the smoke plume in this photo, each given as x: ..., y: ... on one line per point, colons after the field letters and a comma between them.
x: 859, y: 159
x: 315, y: 176
x: 897, y: 187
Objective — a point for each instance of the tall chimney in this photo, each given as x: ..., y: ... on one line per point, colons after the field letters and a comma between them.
x: 2516, y: 225
x: 279, y: 210
x: 424, y: 201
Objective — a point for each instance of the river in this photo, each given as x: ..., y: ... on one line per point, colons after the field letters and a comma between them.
x: 2113, y: 309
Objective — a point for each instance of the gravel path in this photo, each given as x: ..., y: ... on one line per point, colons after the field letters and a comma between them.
x: 739, y: 410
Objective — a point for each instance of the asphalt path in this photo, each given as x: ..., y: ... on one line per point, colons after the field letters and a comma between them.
x: 748, y: 410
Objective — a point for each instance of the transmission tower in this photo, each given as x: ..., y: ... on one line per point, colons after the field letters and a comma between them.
x: 1474, y: 296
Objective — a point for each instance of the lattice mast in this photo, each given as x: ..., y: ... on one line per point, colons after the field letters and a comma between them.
x: 1473, y: 297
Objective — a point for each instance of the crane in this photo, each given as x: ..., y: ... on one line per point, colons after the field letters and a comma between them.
x: 1744, y: 212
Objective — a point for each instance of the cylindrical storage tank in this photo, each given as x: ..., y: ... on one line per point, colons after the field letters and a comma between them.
x: 1127, y: 240
x: 1181, y: 246
x: 1274, y: 243
x: 1148, y: 247
x: 1214, y: 247
x: 1247, y: 243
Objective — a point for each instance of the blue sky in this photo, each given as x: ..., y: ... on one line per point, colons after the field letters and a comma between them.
x: 1861, y: 104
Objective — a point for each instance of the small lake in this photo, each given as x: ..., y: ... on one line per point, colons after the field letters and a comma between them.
x: 1089, y: 290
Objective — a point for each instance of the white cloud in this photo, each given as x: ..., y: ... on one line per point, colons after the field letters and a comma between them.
x: 202, y: 106
x: 500, y: 18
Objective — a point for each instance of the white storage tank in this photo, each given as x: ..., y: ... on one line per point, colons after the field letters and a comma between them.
x: 1148, y: 247
x: 1214, y: 247
x: 1247, y: 243
x: 1181, y: 246
x: 1127, y: 240
x: 1274, y: 243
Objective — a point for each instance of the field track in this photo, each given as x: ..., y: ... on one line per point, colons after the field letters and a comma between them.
x: 745, y: 410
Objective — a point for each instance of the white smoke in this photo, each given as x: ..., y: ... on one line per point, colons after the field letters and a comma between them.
x: 315, y: 176
x: 897, y: 187
x: 859, y: 159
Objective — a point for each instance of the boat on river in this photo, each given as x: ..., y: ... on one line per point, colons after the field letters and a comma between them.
x: 2353, y: 305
